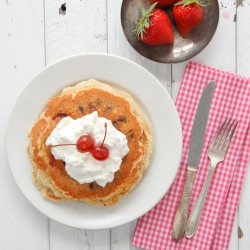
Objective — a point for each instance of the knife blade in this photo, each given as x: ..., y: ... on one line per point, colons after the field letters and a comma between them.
x: 194, y: 153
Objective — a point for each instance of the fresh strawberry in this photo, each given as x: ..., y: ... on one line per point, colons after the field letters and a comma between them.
x: 155, y: 27
x: 187, y: 14
x: 163, y: 3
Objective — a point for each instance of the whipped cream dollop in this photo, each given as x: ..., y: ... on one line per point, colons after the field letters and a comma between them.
x: 83, y: 167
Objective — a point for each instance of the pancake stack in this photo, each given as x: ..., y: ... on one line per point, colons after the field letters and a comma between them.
x: 49, y: 175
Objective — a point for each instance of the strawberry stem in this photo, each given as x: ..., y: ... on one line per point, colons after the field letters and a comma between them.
x: 68, y: 144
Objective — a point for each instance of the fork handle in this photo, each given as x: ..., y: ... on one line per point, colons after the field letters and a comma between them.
x: 181, y: 215
x: 195, y: 216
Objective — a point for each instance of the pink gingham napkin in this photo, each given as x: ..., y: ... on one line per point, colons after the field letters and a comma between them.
x: 231, y: 99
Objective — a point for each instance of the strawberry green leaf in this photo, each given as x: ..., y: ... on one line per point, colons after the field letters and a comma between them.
x: 144, y: 21
x: 187, y: 2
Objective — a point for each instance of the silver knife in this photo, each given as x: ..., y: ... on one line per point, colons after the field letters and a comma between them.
x: 195, y: 148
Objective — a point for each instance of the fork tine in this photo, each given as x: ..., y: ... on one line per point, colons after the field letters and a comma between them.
x: 229, y: 126
x: 226, y: 133
x: 232, y: 134
x: 216, y: 137
x: 229, y: 135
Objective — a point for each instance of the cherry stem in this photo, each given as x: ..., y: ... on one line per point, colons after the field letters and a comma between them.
x: 68, y: 144
x: 105, y: 125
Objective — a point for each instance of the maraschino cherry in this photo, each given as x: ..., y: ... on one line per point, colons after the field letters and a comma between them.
x: 86, y: 144
x: 100, y: 152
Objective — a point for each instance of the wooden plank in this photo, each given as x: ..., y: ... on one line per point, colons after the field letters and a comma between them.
x: 64, y: 237
x: 121, y: 237
x: 224, y: 44
x: 243, y: 55
x: 22, y: 56
x: 117, y: 44
x: 81, y: 28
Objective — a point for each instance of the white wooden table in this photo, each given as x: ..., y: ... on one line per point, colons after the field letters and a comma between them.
x: 34, y: 34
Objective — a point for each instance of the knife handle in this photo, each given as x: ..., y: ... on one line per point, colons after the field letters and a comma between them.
x: 195, y: 216
x: 181, y: 215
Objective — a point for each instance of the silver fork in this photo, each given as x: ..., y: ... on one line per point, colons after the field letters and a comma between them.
x: 216, y: 153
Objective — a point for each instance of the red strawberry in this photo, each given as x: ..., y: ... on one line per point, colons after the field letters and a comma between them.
x: 163, y: 3
x: 187, y: 14
x: 155, y: 27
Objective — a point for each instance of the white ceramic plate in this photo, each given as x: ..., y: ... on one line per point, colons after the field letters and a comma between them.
x: 155, y: 102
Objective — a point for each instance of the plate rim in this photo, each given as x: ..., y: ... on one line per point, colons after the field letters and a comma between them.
x: 116, y: 57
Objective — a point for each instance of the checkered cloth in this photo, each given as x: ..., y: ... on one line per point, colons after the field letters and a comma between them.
x: 231, y: 100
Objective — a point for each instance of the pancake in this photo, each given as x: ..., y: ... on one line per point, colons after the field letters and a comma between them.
x: 49, y: 175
